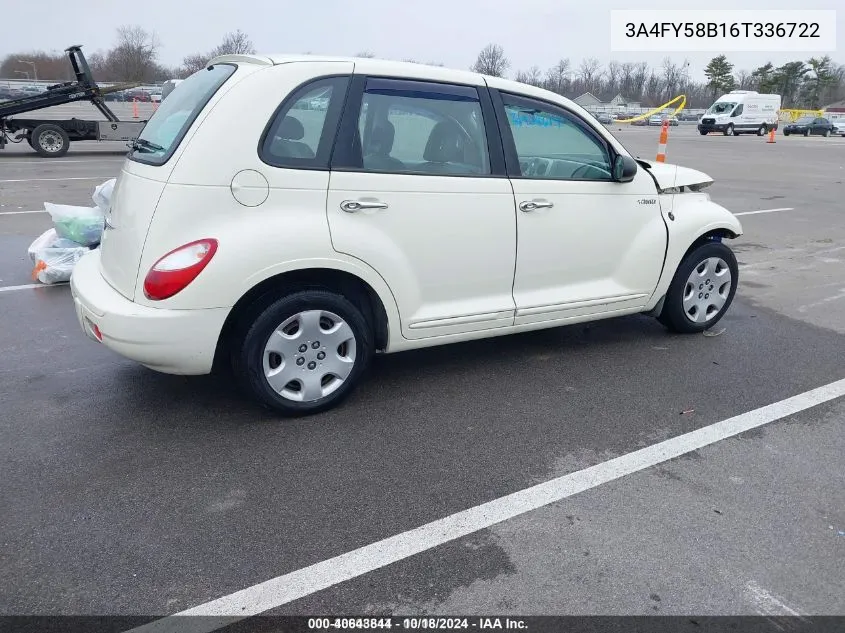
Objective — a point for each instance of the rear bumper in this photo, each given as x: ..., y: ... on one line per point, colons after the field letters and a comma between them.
x: 169, y: 341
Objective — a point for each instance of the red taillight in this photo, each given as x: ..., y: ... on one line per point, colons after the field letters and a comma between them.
x: 173, y: 272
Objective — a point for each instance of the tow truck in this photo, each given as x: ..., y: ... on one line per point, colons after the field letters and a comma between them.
x: 52, y: 138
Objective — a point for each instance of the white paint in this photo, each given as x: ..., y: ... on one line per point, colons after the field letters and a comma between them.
x: 22, y: 212
x: 765, y: 211
x: 28, y: 286
x: 828, y: 299
x: 764, y: 602
x: 308, y: 580
x: 103, y: 178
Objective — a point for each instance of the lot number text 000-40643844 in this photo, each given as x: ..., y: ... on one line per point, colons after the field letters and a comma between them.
x: 723, y: 30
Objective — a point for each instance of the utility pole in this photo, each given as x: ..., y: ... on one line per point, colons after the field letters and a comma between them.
x: 34, y: 69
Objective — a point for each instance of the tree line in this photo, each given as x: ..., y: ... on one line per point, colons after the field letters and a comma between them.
x: 802, y: 84
x: 809, y: 84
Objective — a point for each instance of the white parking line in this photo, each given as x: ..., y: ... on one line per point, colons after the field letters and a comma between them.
x: 39, y: 163
x: 22, y: 212
x: 765, y: 211
x: 28, y: 286
x: 765, y: 603
x: 59, y: 179
x: 308, y: 580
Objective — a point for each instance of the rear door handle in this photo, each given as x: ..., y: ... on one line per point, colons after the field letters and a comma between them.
x: 352, y: 206
x: 533, y: 205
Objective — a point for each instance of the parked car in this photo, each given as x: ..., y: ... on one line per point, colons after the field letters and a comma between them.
x: 155, y: 96
x: 604, y: 118
x: 424, y: 206
x: 137, y: 95
x: 9, y: 94
x: 657, y: 119
x: 810, y: 125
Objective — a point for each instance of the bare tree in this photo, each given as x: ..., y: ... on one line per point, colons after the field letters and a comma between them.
x: 672, y: 75
x: 744, y: 80
x: 235, y: 43
x: 134, y: 56
x: 589, y: 72
x: 614, y: 73
x: 491, y: 61
x: 193, y: 63
x: 557, y: 77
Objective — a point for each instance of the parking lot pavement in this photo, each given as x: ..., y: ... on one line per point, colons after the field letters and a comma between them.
x: 127, y: 491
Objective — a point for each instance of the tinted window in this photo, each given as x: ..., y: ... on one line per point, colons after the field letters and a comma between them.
x: 553, y: 144
x: 164, y: 131
x: 303, y: 129
x: 411, y: 127
x: 738, y: 110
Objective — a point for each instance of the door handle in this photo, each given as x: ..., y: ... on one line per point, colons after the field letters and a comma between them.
x: 533, y: 205
x: 352, y: 206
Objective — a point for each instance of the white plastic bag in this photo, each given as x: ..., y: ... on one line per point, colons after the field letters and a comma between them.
x: 54, y: 257
x: 102, y: 194
x: 83, y: 225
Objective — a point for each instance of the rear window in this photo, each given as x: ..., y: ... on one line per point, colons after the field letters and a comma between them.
x: 166, y: 128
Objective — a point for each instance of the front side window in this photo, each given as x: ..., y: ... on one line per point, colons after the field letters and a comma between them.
x: 167, y: 127
x: 738, y: 110
x: 303, y: 129
x: 410, y: 127
x: 553, y: 144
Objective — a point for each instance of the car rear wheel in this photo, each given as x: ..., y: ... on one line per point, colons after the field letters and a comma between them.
x: 701, y: 290
x: 826, y: 133
x: 806, y: 132
x: 304, y: 353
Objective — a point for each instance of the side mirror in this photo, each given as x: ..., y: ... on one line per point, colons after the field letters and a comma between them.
x: 624, y: 168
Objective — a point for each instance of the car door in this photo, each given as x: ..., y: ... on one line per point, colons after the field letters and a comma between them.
x: 587, y: 244
x: 418, y: 191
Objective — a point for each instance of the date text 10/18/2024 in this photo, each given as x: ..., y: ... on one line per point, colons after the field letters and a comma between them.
x: 421, y: 623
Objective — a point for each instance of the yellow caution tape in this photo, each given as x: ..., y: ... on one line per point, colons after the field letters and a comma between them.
x: 793, y: 114
x: 681, y: 98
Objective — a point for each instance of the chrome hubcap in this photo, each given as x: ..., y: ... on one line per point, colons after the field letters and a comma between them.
x: 707, y: 290
x: 309, y: 355
x: 50, y: 141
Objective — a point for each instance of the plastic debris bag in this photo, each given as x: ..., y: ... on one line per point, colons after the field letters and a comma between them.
x: 54, y: 257
x: 102, y: 194
x: 83, y: 225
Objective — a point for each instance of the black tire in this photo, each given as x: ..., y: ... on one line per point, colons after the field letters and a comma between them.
x: 806, y: 132
x: 703, y: 132
x: 50, y: 140
x: 729, y: 131
x: 826, y: 133
x: 763, y: 130
x: 673, y: 315
x: 250, y: 340
x: 785, y: 133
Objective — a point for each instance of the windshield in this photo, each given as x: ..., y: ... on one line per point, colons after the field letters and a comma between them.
x: 722, y: 107
x: 165, y: 129
x: 805, y: 120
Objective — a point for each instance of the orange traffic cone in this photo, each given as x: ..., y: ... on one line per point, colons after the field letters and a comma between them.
x: 771, y: 136
x: 664, y: 137
x: 135, y: 108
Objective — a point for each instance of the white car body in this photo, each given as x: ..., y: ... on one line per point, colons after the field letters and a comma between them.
x: 741, y: 112
x: 452, y: 258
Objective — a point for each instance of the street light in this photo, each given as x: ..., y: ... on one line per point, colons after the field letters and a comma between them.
x: 34, y: 69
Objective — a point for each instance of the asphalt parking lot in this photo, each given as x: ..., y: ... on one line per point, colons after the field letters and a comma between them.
x: 130, y: 492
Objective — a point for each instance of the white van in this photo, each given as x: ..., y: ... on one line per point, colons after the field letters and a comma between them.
x: 741, y: 112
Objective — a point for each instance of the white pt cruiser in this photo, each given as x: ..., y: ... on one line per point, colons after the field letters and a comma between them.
x: 292, y: 216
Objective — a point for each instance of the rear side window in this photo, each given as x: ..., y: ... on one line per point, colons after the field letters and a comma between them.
x: 168, y: 126
x: 302, y: 131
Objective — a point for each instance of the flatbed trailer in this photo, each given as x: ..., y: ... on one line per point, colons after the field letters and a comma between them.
x: 52, y: 138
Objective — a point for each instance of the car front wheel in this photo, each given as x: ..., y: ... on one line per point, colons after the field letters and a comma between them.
x: 304, y: 353
x: 701, y: 290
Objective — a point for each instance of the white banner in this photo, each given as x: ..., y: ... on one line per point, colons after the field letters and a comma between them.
x: 723, y: 31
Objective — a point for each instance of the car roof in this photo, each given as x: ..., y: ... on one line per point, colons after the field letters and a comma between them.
x: 410, y: 70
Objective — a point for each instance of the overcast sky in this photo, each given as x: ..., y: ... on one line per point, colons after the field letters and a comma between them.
x: 448, y: 31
